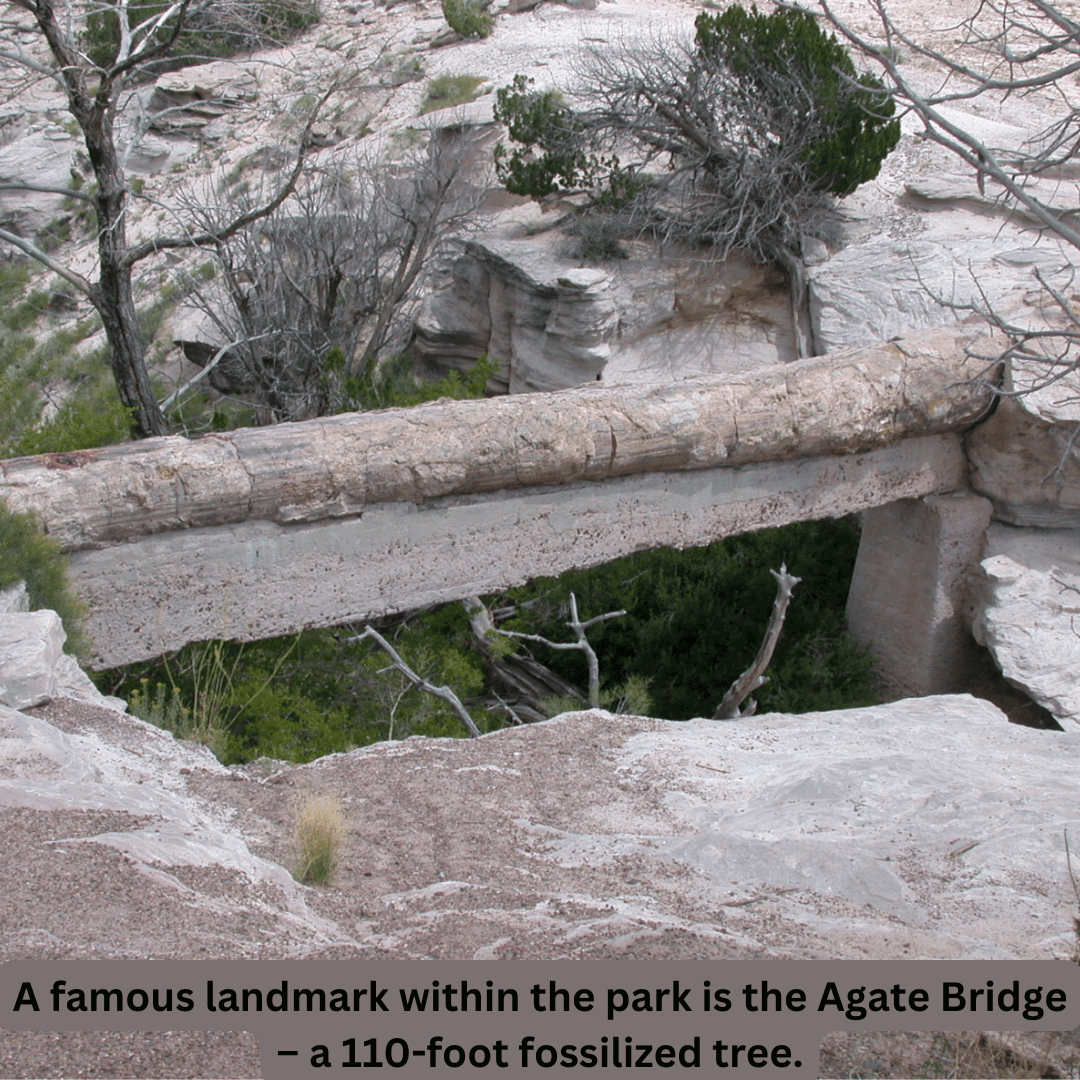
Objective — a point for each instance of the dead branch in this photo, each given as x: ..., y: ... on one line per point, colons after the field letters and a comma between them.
x: 524, y: 677
x: 582, y: 644
x: 443, y: 692
x: 753, y: 678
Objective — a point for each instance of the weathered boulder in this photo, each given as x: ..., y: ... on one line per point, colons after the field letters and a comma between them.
x: 1025, y: 458
x: 876, y: 291
x: 1026, y: 599
x: 31, y: 643
x: 186, y: 101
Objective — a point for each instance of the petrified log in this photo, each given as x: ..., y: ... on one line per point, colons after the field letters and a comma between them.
x: 847, y: 402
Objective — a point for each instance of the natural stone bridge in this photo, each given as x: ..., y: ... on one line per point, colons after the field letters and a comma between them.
x: 259, y: 532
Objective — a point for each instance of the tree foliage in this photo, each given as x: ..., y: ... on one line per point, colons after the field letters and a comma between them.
x: 848, y: 122
x: 737, y: 139
x: 208, y: 31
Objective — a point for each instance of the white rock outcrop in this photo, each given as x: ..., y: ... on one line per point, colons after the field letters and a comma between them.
x: 556, y: 323
x: 43, y: 155
x: 31, y: 643
x: 1028, y: 613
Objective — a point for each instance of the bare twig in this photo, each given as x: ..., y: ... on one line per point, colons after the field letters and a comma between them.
x: 443, y: 692
x: 582, y: 644
x: 753, y: 677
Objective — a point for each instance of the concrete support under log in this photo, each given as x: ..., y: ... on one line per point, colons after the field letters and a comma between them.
x: 908, y: 592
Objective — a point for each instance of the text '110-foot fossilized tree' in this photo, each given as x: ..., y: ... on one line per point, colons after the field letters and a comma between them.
x: 95, y: 53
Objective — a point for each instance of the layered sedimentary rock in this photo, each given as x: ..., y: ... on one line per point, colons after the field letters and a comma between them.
x: 556, y: 323
x: 1026, y: 458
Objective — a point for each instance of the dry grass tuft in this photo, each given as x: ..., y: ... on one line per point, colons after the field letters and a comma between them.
x: 320, y: 830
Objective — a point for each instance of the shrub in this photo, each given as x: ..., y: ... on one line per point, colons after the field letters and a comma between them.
x: 596, y: 238
x: 540, y: 119
x: 27, y: 554
x: 468, y: 18
x: 446, y: 91
x: 395, y: 385
x: 852, y: 130
x: 320, y: 830
x: 93, y: 418
x: 759, y: 122
x: 14, y: 276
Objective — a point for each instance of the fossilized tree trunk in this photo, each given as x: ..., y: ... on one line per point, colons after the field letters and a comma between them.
x: 844, y: 403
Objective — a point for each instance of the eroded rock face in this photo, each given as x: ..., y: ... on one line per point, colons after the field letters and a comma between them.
x: 42, y: 155
x: 187, y: 101
x: 551, y: 325
x: 30, y: 646
x: 876, y: 291
x: 1026, y: 603
x: 557, y: 324
x: 1025, y: 458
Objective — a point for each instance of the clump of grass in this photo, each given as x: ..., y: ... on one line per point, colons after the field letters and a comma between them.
x: 446, y: 91
x: 320, y: 830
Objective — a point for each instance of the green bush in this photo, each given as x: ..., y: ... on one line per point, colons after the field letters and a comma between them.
x: 468, y: 18
x: 695, y: 620
x: 761, y: 122
x: 552, y: 155
x: 446, y: 91
x: 854, y: 130
x: 395, y: 384
x: 27, y: 554
x: 14, y: 277
x: 94, y: 417
x: 311, y: 694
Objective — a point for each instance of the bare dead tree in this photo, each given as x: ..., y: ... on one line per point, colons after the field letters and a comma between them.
x: 523, y: 678
x: 739, y: 138
x: 313, y: 292
x: 725, y: 168
x: 754, y: 677
x: 443, y: 692
x: 581, y: 644
x: 1003, y: 49
x: 95, y: 53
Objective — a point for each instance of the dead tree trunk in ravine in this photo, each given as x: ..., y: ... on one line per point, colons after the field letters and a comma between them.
x: 754, y: 676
